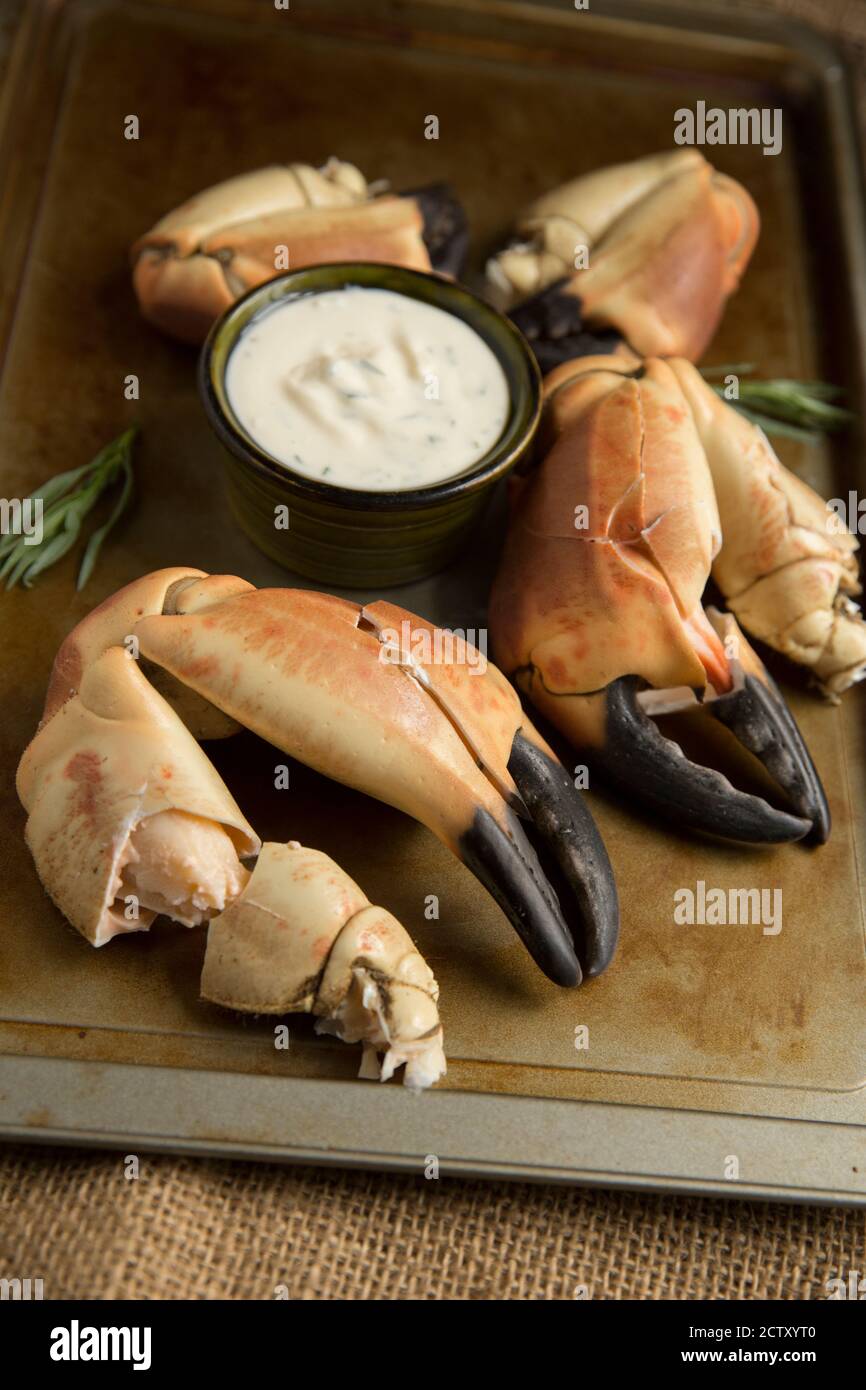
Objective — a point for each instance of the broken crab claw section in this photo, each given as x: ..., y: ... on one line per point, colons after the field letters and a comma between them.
x: 382, y: 701
x: 201, y: 257
x: 652, y: 248
x: 597, y: 606
x: 303, y: 938
x: 788, y: 566
x: 127, y: 818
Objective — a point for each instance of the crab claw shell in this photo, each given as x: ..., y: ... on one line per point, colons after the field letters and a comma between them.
x: 563, y: 824
x: 756, y: 713
x: 475, y: 697
x: 200, y: 258
x: 597, y: 605
x: 303, y: 938
x: 612, y: 538
x: 386, y: 229
x: 111, y: 624
x: 667, y: 237
x: 788, y: 567
x: 258, y: 193
x: 304, y: 671
x: 638, y: 759
x: 322, y: 679
x: 183, y: 289
x: 122, y: 802
x: 484, y: 709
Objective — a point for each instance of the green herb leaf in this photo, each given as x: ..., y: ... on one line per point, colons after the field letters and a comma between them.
x: 785, y: 405
x: 770, y: 425
x: 94, y: 545
x: 67, y: 499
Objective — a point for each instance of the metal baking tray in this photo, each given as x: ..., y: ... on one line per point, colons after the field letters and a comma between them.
x: 705, y: 1043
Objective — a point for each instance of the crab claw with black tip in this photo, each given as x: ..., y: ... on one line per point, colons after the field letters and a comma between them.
x: 201, y: 257
x: 597, y: 611
x: 385, y: 702
x: 651, y: 249
x: 566, y: 829
x: 638, y: 759
x: 761, y: 721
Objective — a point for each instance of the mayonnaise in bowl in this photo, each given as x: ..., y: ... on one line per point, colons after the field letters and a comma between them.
x: 367, y: 389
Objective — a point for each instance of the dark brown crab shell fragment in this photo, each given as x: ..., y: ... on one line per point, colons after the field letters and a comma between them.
x: 552, y: 323
x: 445, y: 226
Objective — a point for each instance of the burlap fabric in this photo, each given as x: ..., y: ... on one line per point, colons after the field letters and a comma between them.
x: 189, y: 1228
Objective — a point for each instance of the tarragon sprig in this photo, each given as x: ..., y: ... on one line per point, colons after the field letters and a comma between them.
x: 785, y: 406
x: 66, y: 500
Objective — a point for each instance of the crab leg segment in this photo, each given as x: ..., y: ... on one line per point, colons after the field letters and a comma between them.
x: 111, y: 624
x: 384, y: 702
x: 597, y: 607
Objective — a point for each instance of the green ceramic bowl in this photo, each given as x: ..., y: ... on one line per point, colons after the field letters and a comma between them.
x: 338, y: 535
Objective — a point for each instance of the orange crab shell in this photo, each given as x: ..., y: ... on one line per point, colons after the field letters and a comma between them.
x: 112, y: 624
x: 113, y: 755
x: 203, y: 256
x: 309, y: 673
x: 610, y: 547
x: 671, y: 261
x: 303, y: 938
x: 787, y: 569
x: 668, y: 239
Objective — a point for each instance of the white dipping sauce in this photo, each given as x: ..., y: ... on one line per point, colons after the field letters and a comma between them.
x: 367, y: 389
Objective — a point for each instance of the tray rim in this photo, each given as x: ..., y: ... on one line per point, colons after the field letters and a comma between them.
x: 612, y: 1129
x: 595, y: 1143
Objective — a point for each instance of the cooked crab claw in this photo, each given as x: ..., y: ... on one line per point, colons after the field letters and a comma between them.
x: 652, y: 249
x: 128, y: 820
x: 641, y: 761
x: 199, y: 258
x: 564, y: 825
x: 597, y: 608
x: 504, y: 861
x: 760, y: 719
x: 385, y: 702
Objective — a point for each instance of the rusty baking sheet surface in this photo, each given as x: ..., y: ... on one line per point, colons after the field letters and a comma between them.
x: 731, y: 1022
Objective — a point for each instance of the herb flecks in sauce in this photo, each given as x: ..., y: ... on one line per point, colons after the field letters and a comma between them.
x: 372, y: 389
